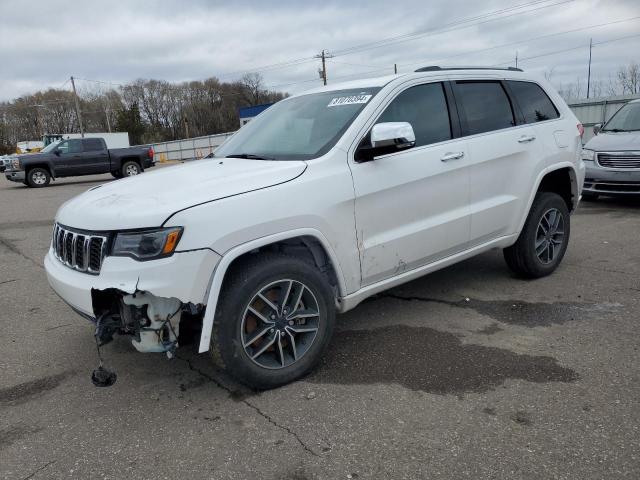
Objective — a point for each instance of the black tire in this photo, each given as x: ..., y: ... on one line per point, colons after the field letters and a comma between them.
x: 128, y: 169
x: 522, y: 257
x: 38, y: 177
x: 116, y: 174
x: 589, y: 197
x: 241, y: 287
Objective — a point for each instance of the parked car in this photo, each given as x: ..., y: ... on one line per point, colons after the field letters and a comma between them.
x: 4, y: 161
x: 612, y: 156
x: 76, y: 157
x: 324, y: 199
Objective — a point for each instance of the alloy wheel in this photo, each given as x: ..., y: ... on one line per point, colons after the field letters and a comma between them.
x: 131, y: 170
x: 549, y: 236
x: 280, y: 324
x: 39, y: 178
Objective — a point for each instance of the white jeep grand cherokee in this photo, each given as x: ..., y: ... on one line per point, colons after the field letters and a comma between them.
x: 323, y: 200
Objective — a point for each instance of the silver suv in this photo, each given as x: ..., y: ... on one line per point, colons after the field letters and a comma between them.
x: 612, y: 157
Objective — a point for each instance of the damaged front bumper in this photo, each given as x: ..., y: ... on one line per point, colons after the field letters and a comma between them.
x: 159, y: 289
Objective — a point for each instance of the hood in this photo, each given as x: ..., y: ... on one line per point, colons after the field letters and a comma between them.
x: 24, y: 156
x: 612, y: 142
x: 147, y: 200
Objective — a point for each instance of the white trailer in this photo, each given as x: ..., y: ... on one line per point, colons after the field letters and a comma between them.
x: 113, y: 140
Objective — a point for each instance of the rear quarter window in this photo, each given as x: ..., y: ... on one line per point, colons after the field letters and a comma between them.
x: 533, y: 101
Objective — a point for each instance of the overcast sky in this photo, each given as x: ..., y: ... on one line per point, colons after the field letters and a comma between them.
x: 43, y: 42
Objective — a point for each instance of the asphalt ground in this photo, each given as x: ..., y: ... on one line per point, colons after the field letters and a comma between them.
x: 466, y: 373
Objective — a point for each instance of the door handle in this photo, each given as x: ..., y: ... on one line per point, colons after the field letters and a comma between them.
x: 452, y: 156
x: 526, y: 139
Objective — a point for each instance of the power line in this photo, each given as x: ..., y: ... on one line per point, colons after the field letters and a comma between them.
x: 452, y: 26
x: 555, y: 52
x: 520, y: 42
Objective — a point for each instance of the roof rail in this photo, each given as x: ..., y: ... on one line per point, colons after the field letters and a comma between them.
x: 435, y: 68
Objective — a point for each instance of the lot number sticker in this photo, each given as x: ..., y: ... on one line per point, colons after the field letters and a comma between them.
x: 351, y: 100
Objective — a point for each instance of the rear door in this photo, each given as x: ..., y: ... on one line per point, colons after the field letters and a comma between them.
x: 505, y: 157
x: 539, y: 111
x: 412, y: 206
x: 96, y: 156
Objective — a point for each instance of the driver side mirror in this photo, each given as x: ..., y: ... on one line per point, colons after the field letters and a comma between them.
x: 596, y: 128
x: 56, y: 152
x: 387, y: 137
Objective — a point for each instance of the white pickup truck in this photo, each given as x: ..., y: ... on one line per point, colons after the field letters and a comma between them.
x: 324, y: 199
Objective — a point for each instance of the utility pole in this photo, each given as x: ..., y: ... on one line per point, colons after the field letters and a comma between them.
x: 395, y: 68
x: 516, y: 59
x: 39, y: 125
x: 323, y: 72
x: 75, y: 97
x: 186, y: 126
x: 106, y: 114
x: 589, y: 74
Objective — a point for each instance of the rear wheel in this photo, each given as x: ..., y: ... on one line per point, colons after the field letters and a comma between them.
x: 130, y: 169
x: 274, y: 320
x: 544, y: 238
x: 38, y: 177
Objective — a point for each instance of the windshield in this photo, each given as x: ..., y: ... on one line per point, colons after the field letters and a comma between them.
x: 299, y: 128
x: 626, y: 119
x: 50, y: 147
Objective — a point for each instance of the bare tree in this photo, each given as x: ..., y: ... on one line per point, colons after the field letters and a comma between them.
x: 629, y: 78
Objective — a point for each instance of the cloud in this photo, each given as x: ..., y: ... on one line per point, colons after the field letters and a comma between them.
x: 120, y: 41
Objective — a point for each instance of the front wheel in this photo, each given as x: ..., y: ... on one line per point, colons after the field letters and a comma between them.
x: 544, y: 238
x: 130, y: 169
x: 274, y: 320
x: 38, y: 177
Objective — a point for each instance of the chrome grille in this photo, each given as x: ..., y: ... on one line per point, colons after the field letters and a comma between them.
x: 624, y: 160
x: 82, y: 251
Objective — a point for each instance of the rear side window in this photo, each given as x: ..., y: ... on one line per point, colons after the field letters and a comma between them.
x: 425, y: 108
x: 533, y: 101
x: 486, y: 106
x: 92, y: 145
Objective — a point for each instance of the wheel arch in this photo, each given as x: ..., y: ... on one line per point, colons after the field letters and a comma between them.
x: 306, y: 243
x: 134, y: 159
x: 46, y: 165
x: 561, y: 179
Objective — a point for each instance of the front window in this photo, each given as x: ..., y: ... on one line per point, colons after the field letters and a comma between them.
x: 627, y: 119
x: 299, y: 128
x: 425, y: 108
x: 70, y: 146
x: 49, y: 147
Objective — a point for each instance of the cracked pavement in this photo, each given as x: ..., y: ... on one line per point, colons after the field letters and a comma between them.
x: 466, y: 373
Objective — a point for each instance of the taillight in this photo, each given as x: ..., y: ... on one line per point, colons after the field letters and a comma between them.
x: 580, y: 130
x: 151, y: 152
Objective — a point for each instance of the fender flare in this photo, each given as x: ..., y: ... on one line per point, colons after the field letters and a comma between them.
x: 574, y: 188
x: 49, y: 165
x: 217, y: 277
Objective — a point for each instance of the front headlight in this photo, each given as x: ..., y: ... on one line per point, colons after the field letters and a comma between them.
x: 148, y: 244
x: 588, y: 155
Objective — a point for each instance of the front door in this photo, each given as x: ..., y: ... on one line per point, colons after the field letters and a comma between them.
x: 412, y: 206
x: 69, y: 161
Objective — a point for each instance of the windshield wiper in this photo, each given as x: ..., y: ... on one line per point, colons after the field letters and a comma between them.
x: 250, y: 156
x: 615, y: 130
